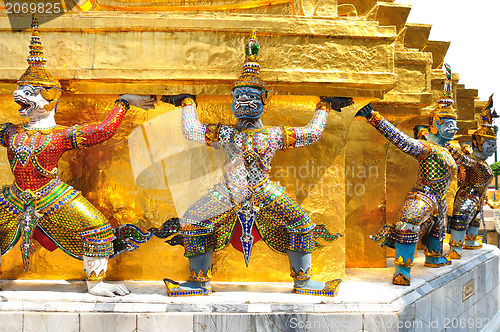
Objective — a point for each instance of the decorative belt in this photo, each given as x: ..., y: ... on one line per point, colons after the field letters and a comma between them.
x: 32, y: 205
x: 28, y: 195
x: 469, y: 192
x: 267, y: 193
x: 428, y: 192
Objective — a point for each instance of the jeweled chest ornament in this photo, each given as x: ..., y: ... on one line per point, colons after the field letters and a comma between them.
x: 24, y: 146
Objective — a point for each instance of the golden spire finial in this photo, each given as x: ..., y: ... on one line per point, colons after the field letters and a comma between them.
x: 37, y: 74
x: 487, y: 130
x: 251, y: 67
x: 445, y: 104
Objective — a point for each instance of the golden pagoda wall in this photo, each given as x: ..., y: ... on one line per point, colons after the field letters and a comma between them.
x: 396, y: 172
x: 352, y: 180
x: 201, y: 53
x: 96, y: 58
x: 365, y: 194
x: 104, y: 175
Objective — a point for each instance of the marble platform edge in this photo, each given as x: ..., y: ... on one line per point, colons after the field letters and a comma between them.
x: 493, y: 325
x: 153, y: 299
x: 192, y: 322
x: 199, y: 322
x: 453, y: 272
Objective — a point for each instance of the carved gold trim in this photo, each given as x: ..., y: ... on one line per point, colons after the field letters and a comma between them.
x: 375, y: 118
x: 289, y: 139
x: 432, y: 253
x: 323, y: 106
x: 302, y: 275
x: 472, y: 237
x: 479, y: 246
x: 400, y: 262
x: 201, y: 276
x: 188, y: 102
x: 454, y: 243
x: 94, y: 277
x: 455, y: 254
x: 212, y: 132
x: 401, y: 279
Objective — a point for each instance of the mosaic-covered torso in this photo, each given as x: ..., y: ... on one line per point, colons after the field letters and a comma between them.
x: 436, y: 170
x: 474, y: 176
x: 249, y: 153
x: 436, y: 165
x: 33, y: 155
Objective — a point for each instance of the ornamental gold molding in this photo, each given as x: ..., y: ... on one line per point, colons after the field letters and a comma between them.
x: 198, y: 53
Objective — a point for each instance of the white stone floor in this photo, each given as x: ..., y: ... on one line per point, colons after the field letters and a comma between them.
x: 363, y: 291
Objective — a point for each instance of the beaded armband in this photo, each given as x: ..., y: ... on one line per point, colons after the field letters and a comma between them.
x: 454, y: 151
x: 188, y: 102
x: 3, y: 128
x: 375, y: 119
x: 423, y: 134
x: 212, y: 132
x: 461, y: 156
x: 77, y: 138
x: 405, y: 237
x: 289, y: 138
x: 123, y: 103
x: 467, y: 149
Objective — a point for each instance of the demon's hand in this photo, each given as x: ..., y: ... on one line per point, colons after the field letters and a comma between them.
x: 176, y: 100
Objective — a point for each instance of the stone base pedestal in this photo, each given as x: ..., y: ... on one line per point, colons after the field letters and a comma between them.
x: 463, y: 296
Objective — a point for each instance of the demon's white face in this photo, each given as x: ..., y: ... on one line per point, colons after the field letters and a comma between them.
x: 447, y: 128
x: 31, y: 101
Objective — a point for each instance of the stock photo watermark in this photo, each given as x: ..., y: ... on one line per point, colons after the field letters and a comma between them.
x: 354, y: 185
x: 383, y: 325
x: 19, y: 12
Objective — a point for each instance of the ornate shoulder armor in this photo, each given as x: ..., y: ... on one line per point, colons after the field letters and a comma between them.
x: 426, y: 151
x: 212, y: 133
x: 3, y: 130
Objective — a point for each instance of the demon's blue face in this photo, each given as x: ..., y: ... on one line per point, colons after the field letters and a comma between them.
x: 489, y: 147
x: 247, y: 102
